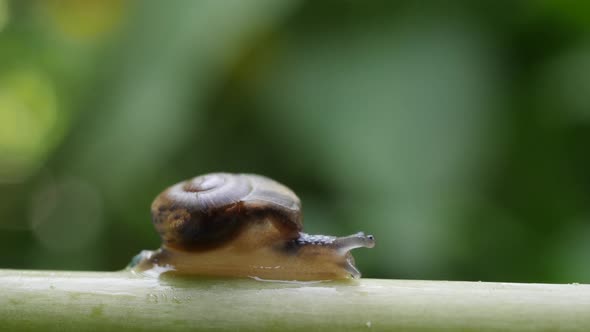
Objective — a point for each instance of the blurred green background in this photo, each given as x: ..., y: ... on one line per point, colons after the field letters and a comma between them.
x: 457, y: 134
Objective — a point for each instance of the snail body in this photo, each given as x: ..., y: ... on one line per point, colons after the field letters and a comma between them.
x: 243, y: 225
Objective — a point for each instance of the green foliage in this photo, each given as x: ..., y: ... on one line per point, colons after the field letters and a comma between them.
x: 457, y: 134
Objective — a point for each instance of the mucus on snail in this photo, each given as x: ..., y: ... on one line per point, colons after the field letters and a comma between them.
x: 243, y: 225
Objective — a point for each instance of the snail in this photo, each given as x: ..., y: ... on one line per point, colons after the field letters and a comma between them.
x: 243, y: 225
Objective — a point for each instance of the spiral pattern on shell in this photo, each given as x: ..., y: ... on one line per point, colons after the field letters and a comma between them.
x: 209, y: 210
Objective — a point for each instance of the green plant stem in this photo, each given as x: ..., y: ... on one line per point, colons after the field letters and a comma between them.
x: 123, y: 301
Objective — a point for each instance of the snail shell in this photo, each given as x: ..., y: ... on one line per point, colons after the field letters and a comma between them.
x: 243, y: 225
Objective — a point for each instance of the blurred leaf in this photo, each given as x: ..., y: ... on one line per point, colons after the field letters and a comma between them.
x: 4, y: 14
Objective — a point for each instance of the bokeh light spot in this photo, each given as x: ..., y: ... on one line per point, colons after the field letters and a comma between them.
x: 28, y: 115
x: 85, y: 20
x: 66, y: 214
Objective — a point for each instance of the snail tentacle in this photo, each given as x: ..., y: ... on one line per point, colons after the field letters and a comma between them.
x: 351, y: 268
